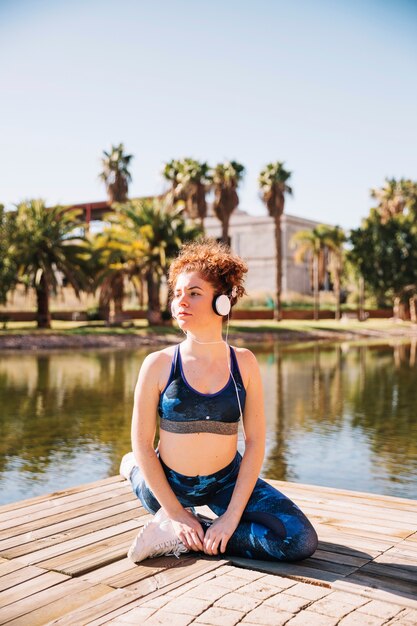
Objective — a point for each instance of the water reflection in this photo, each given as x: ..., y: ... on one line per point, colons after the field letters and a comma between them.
x: 55, y: 408
x: 338, y: 415
x: 345, y: 416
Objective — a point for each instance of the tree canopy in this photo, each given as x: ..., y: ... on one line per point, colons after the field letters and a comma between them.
x: 8, y: 261
x: 226, y: 179
x: 385, y: 254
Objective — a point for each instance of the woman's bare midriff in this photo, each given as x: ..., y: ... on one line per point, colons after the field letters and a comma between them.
x: 196, y: 454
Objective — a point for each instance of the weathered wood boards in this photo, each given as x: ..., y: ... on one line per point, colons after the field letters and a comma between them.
x: 62, y: 556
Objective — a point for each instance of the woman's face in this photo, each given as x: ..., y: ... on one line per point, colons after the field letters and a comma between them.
x: 192, y: 302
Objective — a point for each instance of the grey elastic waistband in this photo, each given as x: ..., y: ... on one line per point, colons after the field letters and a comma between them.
x: 200, y: 426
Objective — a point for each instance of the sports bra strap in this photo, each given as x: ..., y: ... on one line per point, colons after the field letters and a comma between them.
x: 175, y: 362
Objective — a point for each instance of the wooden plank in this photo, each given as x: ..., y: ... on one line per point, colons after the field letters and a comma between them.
x: 364, y: 530
x: 20, y: 575
x: 99, y: 612
x: 102, y: 500
x: 9, y: 566
x: 296, y: 571
x: 60, y: 549
x: 69, y: 519
x: 400, y: 587
x: 97, y: 608
x: 210, y: 574
x: 344, y: 537
x: 21, y: 504
x: 82, y: 561
x: 331, y: 492
x: 350, y: 547
x: 405, y: 561
x: 359, y: 511
x: 381, y: 526
x: 340, y: 557
x: 32, y: 542
x: 403, y: 549
x: 31, y: 586
x: 21, y: 612
x: 337, y: 502
x: 186, y: 569
x: 108, y: 574
x: 150, y: 569
x: 392, y: 597
x: 398, y: 572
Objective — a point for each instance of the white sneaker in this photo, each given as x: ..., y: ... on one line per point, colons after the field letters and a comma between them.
x: 127, y: 464
x: 156, y: 538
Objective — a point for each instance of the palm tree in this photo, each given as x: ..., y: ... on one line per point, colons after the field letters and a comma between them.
x: 150, y: 234
x: 47, y: 248
x: 107, y: 267
x: 116, y: 173
x: 273, y: 184
x: 190, y: 181
x: 194, y: 181
x: 392, y: 197
x: 171, y: 172
x: 334, y: 238
x: 312, y: 244
x: 226, y: 178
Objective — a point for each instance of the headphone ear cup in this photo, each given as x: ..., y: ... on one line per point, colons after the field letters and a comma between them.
x: 221, y: 305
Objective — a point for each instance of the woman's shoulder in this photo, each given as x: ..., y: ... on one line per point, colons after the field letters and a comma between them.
x: 156, y: 367
x: 159, y: 358
x: 244, y: 355
x: 247, y: 362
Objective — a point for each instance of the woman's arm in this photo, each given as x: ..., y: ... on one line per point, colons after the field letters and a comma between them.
x: 217, y: 536
x: 146, y: 400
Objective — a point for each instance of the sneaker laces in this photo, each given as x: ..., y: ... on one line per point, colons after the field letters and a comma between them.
x: 173, y: 547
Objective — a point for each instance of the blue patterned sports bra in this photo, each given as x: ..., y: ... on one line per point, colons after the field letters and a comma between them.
x: 182, y: 409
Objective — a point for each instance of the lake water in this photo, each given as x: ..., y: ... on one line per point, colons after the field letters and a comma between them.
x: 340, y: 415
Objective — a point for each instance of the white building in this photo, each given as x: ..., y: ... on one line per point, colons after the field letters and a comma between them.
x: 253, y: 238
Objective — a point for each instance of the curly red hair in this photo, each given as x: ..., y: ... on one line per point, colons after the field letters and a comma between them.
x: 215, y: 263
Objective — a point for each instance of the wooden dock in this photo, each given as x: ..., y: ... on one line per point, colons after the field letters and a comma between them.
x: 62, y: 561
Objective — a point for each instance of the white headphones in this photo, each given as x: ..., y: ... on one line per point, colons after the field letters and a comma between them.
x: 221, y: 304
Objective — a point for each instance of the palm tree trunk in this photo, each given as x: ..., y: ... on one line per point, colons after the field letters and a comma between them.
x: 278, y: 254
x: 154, y: 306
x: 337, y: 294
x: 103, y: 307
x: 316, y: 285
x: 43, y: 315
x: 413, y: 311
x: 397, y: 308
x: 118, y: 296
x: 361, y: 312
x: 225, y: 229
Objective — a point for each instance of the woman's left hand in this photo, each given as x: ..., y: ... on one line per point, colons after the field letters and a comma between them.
x: 219, y: 533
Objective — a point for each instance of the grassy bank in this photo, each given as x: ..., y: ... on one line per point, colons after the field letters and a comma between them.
x: 251, y: 330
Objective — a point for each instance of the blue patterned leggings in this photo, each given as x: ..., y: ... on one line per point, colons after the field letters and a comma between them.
x: 271, y: 528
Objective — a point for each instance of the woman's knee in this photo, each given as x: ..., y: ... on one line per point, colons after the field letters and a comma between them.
x: 304, y: 545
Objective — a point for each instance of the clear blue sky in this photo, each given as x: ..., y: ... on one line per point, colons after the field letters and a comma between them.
x: 329, y: 87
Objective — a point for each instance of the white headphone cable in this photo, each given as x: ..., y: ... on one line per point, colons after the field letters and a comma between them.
x: 228, y: 365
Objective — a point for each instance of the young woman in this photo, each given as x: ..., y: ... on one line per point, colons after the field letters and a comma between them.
x: 202, y: 388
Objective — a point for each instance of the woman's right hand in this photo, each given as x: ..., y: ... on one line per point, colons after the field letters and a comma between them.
x: 189, y: 530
